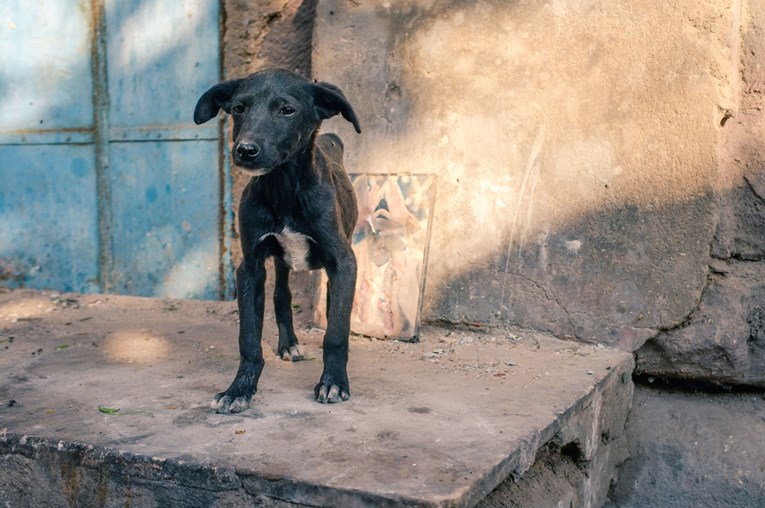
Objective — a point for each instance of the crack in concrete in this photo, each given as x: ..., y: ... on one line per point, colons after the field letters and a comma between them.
x: 549, y: 295
x: 688, y: 319
x: 570, y: 314
x: 752, y: 188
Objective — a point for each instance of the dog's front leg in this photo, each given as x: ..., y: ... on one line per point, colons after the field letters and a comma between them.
x: 250, y: 282
x: 333, y: 385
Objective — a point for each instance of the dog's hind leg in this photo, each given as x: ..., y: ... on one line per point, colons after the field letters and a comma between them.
x: 250, y: 283
x: 341, y: 272
x: 288, y: 344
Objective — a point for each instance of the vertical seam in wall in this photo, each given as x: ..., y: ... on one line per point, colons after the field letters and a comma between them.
x: 225, y: 211
x: 101, y: 139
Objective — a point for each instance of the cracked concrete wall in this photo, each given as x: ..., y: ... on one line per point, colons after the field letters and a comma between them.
x: 575, y: 144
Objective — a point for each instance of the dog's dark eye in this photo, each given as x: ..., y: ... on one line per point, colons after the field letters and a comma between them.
x: 238, y: 109
x: 287, y: 111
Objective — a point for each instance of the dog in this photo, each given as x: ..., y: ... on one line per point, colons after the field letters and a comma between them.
x: 299, y: 208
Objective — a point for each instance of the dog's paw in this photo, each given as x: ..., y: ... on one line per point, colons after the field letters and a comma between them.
x: 223, y: 403
x: 293, y: 354
x: 331, y: 393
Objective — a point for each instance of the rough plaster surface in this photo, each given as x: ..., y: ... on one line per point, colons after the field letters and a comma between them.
x: 696, y: 450
x: 723, y: 339
x: 575, y: 145
x: 266, y: 33
x: 437, y: 423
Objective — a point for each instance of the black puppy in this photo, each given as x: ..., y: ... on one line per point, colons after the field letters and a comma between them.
x: 299, y: 208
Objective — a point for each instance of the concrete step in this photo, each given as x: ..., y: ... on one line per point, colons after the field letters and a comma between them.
x: 458, y: 419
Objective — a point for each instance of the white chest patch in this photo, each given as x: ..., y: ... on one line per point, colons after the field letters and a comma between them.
x: 295, y: 246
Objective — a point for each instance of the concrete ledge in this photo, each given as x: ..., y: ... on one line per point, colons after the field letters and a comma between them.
x: 439, y: 423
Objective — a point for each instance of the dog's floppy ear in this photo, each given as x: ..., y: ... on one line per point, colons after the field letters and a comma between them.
x: 217, y: 97
x: 330, y: 101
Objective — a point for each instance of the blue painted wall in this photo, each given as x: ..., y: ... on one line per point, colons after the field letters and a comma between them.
x: 105, y: 182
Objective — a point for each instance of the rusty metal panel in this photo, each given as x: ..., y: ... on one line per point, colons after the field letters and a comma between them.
x: 162, y: 54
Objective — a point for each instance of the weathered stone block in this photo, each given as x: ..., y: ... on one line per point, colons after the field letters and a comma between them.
x: 723, y: 339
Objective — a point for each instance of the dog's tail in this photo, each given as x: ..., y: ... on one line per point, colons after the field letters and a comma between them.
x: 332, y: 147
x: 330, y: 141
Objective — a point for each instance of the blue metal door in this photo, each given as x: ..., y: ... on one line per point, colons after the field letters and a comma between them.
x: 105, y: 182
x: 48, y: 179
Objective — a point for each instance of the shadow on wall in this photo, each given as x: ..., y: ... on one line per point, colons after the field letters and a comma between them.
x: 576, y: 151
x: 605, y: 277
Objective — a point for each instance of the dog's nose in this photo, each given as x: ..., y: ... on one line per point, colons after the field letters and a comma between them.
x: 247, y: 151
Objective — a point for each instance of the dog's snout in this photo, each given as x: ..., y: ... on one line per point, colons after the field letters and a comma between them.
x: 247, y: 151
